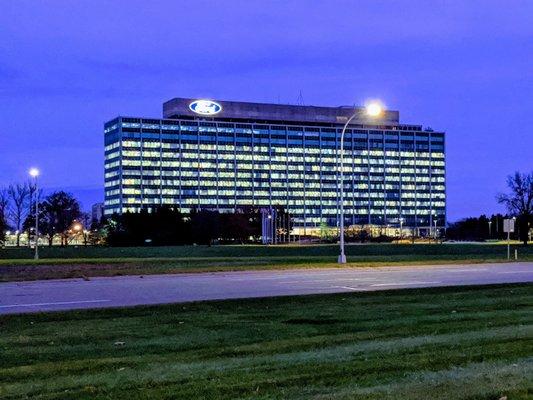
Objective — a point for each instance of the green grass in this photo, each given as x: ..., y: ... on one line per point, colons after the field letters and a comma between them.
x: 233, y: 251
x: 446, y: 343
x: 71, y: 262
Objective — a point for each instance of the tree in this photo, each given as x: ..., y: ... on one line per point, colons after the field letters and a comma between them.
x: 472, y: 228
x: 29, y: 222
x: 327, y: 233
x: 59, y: 210
x: 4, y: 203
x: 164, y: 226
x: 238, y: 226
x: 19, y: 196
x: 519, y: 202
x: 205, y: 226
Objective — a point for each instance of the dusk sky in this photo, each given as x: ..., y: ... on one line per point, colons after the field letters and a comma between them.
x: 464, y: 67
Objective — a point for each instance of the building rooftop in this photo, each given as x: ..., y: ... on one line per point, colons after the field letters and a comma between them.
x: 238, y: 110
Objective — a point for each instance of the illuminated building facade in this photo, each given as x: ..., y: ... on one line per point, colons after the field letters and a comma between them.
x: 225, y: 155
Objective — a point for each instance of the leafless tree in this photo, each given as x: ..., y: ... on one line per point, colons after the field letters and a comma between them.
x: 19, y: 196
x: 519, y: 202
x: 4, y: 202
x: 34, y: 195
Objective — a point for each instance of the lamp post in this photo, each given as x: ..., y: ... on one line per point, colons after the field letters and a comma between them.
x: 401, y: 227
x: 270, y: 228
x: 509, y: 238
x: 34, y: 173
x: 372, y: 110
x: 490, y: 230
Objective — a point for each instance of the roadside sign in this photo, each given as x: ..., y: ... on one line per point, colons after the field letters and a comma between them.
x: 508, y: 225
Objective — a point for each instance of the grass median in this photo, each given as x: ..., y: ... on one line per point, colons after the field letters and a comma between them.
x: 86, y: 262
x: 444, y: 343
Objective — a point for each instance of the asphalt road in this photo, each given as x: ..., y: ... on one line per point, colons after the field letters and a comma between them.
x: 67, y: 294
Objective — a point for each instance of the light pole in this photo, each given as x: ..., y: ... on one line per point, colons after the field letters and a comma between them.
x: 270, y: 226
x: 490, y: 230
x: 34, y: 173
x: 509, y: 237
x: 372, y: 110
x: 401, y: 227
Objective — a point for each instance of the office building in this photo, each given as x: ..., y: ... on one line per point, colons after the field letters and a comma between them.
x: 97, y: 212
x: 223, y: 155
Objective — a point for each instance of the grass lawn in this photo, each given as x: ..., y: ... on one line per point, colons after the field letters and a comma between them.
x: 70, y: 262
x: 446, y: 343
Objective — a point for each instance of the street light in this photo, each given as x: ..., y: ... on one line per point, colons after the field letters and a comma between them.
x: 401, y: 227
x: 34, y: 173
x: 372, y: 109
x: 77, y: 228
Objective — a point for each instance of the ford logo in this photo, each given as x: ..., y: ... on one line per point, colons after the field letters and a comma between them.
x: 205, y: 107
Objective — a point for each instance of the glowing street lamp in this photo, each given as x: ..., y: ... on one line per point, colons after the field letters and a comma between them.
x: 77, y: 228
x: 34, y: 173
x: 374, y: 110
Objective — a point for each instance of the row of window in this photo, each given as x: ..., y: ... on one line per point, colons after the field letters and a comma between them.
x: 326, y: 208
x: 265, y: 130
x: 129, y: 144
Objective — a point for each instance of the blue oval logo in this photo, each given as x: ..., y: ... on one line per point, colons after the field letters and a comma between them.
x: 205, y: 107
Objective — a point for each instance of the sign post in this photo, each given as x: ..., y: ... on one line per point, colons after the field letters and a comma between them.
x: 508, y: 226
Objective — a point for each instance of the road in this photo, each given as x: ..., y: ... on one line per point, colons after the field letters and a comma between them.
x: 67, y: 294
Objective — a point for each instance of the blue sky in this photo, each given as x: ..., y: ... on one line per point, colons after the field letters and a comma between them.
x: 465, y: 67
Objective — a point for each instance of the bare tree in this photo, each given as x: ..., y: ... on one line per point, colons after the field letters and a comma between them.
x: 519, y: 202
x: 31, y: 193
x: 4, y: 203
x: 19, y: 196
x: 29, y: 223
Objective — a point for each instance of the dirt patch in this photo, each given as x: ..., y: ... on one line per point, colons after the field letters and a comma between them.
x: 38, y: 272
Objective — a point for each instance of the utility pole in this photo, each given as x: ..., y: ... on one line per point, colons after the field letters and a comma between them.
x: 34, y: 173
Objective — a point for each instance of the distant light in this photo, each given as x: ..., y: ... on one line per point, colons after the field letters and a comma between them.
x: 374, y: 109
x: 34, y: 172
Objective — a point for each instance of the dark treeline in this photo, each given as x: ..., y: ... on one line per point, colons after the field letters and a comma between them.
x: 482, y: 228
x: 166, y: 226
